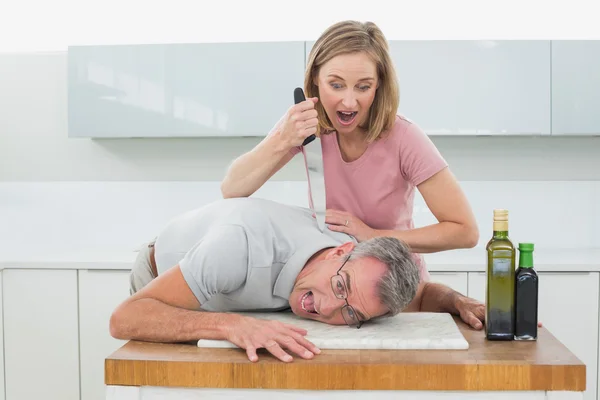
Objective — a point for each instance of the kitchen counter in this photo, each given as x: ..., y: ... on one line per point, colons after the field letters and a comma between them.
x: 469, y: 260
x: 140, y: 370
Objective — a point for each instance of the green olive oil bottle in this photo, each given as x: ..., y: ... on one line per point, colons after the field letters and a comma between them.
x: 500, y: 290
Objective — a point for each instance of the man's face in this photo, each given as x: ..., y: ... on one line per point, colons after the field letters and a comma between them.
x: 317, y: 296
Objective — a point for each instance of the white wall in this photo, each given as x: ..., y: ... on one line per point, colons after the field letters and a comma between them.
x: 37, y: 25
x: 34, y: 145
x: 534, y: 176
x: 56, y: 201
x: 545, y: 181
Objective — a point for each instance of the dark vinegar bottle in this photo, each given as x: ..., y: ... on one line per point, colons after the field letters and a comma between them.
x: 526, y: 295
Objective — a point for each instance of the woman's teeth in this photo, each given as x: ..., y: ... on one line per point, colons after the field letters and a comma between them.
x: 345, y: 117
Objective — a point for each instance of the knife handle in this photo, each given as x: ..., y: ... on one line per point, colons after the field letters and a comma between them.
x: 299, y: 98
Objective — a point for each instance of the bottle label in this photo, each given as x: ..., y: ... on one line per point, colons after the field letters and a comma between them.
x: 502, y: 261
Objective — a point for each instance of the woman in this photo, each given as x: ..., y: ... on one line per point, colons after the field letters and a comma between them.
x: 372, y: 157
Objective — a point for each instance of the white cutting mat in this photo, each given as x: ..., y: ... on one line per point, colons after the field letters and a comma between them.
x: 413, y: 331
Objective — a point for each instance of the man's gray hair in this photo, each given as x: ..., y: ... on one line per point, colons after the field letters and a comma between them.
x: 398, y: 287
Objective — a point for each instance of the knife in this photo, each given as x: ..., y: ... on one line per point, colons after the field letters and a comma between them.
x: 299, y: 98
x: 315, y: 174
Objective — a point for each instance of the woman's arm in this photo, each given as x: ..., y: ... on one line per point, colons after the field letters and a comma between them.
x: 251, y: 170
x: 456, y: 228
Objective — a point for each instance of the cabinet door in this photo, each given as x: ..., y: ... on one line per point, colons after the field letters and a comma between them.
x: 1, y: 341
x: 454, y: 280
x: 181, y: 90
x: 474, y: 87
x: 477, y: 285
x: 100, y: 292
x: 568, y: 308
x: 576, y: 87
x: 40, y: 334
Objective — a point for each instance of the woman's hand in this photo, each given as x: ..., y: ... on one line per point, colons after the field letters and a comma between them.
x: 342, y: 221
x: 299, y: 123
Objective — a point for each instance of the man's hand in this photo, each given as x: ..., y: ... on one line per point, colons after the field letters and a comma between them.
x: 471, y: 311
x: 251, y: 334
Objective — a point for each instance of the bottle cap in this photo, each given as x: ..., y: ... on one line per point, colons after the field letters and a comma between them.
x: 500, y: 214
x: 526, y: 246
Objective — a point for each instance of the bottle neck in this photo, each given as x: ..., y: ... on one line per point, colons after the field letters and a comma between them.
x: 500, y: 229
x: 500, y: 234
x: 526, y: 259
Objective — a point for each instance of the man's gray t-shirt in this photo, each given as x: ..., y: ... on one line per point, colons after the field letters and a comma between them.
x: 243, y: 253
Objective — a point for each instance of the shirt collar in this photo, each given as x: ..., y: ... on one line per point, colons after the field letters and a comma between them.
x: 284, y: 284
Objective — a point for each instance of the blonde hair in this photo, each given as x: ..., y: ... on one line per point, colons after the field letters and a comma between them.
x: 351, y: 37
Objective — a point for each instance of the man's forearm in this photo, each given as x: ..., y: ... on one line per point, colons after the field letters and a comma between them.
x: 154, y: 321
x: 439, y: 298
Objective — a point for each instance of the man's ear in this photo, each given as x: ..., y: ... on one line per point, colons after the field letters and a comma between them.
x: 340, y: 251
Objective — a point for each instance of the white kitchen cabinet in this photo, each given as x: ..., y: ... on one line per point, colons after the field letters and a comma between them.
x: 576, y: 87
x: 100, y: 292
x: 475, y: 87
x: 455, y: 280
x: 41, y: 344
x: 568, y: 308
x: 181, y: 90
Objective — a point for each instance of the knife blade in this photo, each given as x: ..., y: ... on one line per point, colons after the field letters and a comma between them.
x: 315, y: 173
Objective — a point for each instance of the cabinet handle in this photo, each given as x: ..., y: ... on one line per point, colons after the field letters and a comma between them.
x: 550, y: 272
x: 104, y: 270
x: 446, y: 273
x: 542, y: 272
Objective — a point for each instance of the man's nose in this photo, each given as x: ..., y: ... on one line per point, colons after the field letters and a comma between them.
x: 330, y: 306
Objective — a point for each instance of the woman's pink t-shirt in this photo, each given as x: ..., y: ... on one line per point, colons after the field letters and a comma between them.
x: 379, y: 187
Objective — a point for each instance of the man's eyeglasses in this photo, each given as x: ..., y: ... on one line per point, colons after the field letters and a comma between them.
x: 341, y: 292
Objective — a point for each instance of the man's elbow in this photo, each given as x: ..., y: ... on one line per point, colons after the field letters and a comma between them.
x: 117, y: 325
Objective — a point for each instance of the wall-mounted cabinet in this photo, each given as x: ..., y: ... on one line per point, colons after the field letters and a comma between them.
x: 448, y: 87
x: 470, y: 87
x: 475, y: 87
x: 181, y: 90
x: 576, y: 87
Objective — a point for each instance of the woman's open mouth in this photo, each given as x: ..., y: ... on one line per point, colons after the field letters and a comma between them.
x: 346, y: 117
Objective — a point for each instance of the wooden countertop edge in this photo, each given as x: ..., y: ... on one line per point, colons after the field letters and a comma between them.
x: 492, y: 366
x: 353, y: 376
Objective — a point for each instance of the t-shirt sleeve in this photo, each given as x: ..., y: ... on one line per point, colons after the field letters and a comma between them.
x: 218, y: 263
x: 419, y: 158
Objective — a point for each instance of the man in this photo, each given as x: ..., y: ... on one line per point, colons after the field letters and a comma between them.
x: 248, y: 254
